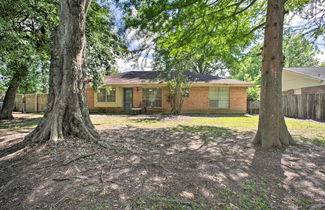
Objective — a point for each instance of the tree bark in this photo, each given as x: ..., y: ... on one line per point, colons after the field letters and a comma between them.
x: 9, y: 100
x: 272, y: 130
x: 67, y: 112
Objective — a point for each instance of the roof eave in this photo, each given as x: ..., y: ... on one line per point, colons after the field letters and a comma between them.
x: 304, y: 75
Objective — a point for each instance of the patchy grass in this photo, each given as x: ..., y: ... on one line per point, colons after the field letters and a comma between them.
x: 164, y: 202
x: 19, y: 125
x: 215, y: 125
x: 21, y: 121
x: 147, y: 121
x: 163, y: 162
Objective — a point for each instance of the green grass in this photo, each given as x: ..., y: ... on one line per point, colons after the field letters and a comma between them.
x: 132, y: 121
x: 220, y: 126
x: 216, y: 126
x: 21, y: 121
x: 28, y: 124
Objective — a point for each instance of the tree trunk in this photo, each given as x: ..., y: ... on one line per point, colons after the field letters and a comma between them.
x: 67, y: 112
x: 272, y: 130
x: 9, y: 100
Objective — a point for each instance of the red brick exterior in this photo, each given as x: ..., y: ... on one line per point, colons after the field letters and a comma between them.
x: 197, y: 102
x: 90, y: 98
x: 238, y: 99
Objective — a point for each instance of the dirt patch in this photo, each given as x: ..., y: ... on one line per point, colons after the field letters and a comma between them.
x: 175, y: 168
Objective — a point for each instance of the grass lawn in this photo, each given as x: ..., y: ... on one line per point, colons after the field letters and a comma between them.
x: 163, y: 162
x: 305, y: 130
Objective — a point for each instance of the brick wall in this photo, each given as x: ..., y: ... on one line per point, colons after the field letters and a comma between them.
x: 238, y: 99
x: 165, y: 105
x: 90, y: 98
x: 198, y: 101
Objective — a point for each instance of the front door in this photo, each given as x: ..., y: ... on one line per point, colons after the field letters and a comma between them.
x: 128, y: 98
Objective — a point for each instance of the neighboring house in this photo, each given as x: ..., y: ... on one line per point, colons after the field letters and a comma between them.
x: 208, y: 94
x: 303, y: 80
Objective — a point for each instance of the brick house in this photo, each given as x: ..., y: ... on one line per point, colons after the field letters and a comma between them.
x: 207, y: 94
x: 303, y: 80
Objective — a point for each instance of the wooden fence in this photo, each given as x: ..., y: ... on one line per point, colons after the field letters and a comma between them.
x: 305, y: 106
x: 34, y: 102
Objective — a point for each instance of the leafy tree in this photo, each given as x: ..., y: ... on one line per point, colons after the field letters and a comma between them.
x: 104, y: 46
x: 299, y: 51
x: 67, y: 112
x: 174, y: 72
x: 249, y: 69
x: 228, y: 27
x: 25, y: 39
x: 214, y: 33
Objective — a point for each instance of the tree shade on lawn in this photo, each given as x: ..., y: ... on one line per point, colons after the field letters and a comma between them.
x: 67, y: 113
x: 272, y: 130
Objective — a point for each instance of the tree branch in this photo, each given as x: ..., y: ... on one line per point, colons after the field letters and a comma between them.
x: 256, y: 28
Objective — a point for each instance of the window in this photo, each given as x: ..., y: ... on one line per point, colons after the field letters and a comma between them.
x: 218, y: 97
x: 106, y: 95
x: 151, y: 97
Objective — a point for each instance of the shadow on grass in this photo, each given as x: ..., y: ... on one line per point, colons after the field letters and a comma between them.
x: 160, y: 168
x: 151, y: 119
x: 18, y: 124
x: 319, y: 141
x: 207, y: 134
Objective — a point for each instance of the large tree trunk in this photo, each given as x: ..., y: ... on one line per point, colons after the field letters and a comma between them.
x: 272, y: 130
x: 67, y: 112
x: 9, y: 100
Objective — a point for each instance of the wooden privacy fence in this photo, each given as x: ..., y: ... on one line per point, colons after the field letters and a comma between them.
x: 34, y: 102
x: 306, y: 106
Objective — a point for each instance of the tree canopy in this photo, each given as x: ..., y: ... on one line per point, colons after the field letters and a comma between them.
x: 215, y: 34
x: 26, y: 34
x: 211, y: 32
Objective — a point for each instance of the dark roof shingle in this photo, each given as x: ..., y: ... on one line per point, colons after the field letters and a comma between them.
x: 314, y: 72
x: 151, y: 77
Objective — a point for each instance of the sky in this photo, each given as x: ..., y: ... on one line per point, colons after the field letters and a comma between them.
x: 145, y: 62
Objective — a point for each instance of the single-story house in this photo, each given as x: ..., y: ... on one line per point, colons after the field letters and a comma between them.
x: 303, y: 80
x: 207, y: 94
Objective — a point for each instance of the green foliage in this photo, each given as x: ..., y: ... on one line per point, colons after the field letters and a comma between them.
x: 298, y: 51
x: 26, y: 31
x: 212, y: 33
x: 25, y: 37
x: 178, y: 87
x: 249, y: 69
x: 104, y: 45
x: 174, y: 72
x: 312, y: 14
